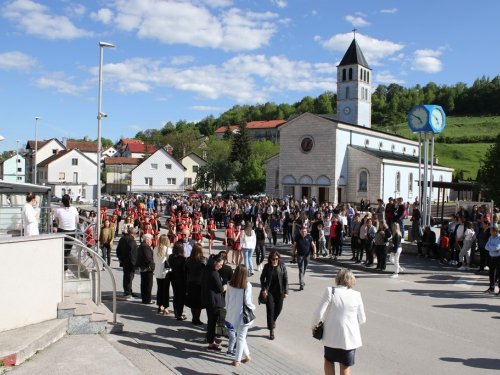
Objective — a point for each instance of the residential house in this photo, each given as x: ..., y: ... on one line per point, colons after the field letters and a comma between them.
x: 89, y: 149
x: 13, y: 169
x: 69, y: 172
x: 192, y: 162
x: 137, y: 150
x: 259, y: 130
x: 122, y: 144
x: 45, y: 149
x: 109, y: 152
x: 160, y: 172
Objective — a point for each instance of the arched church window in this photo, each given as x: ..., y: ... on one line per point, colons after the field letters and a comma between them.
x: 277, y: 179
x: 393, y: 147
x: 367, y: 76
x: 366, y: 95
x: 305, y: 180
x: 350, y: 74
x: 361, y: 72
x: 398, y: 182
x: 441, y: 178
x: 380, y: 145
x: 347, y: 92
x: 367, y: 142
x: 364, y: 73
x: 410, y: 184
x: 343, y: 75
x: 363, y: 181
x: 414, y: 152
x: 404, y: 150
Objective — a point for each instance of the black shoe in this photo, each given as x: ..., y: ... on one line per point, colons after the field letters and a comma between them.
x: 369, y: 265
x: 489, y: 290
x: 352, y: 258
x: 134, y: 295
x: 301, y: 287
x: 358, y: 262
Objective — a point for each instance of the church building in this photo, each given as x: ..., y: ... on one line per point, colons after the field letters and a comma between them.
x: 340, y: 158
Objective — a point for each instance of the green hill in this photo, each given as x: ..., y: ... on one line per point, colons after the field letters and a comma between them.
x: 462, y: 143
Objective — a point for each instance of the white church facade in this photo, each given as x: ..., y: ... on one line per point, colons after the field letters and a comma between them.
x: 339, y: 158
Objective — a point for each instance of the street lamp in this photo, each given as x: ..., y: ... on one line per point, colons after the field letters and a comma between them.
x: 36, y: 147
x: 100, y: 115
x: 17, y: 157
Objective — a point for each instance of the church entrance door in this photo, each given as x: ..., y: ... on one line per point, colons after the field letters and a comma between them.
x: 339, y: 195
x: 306, y: 191
x: 323, y: 194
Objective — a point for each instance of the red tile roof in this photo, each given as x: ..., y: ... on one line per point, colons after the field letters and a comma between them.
x: 254, y: 125
x: 31, y: 144
x: 129, y: 140
x: 140, y: 148
x: 222, y: 129
x: 121, y: 160
x: 83, y: 146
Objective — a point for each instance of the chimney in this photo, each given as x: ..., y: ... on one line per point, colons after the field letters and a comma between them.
x: 86, y: 138
x: 169, y: 151
x: 57, y: 151
x: 65, y: 142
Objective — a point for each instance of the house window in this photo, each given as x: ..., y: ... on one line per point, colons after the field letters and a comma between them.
x: 195, y: 168
x: 410, y: 185
x: 398, y: 182
x: 54, y: 152
x: 19, y: 178
x: 171, y: 181
x: 62, y: 176
x: 188, y: 181
x: 75, y: 177
x: 154, y: 166
x: 148, y: 181
x: 168, y: 166
x: 363, y: 181
x: 19, y: 169
x: 74, y: 161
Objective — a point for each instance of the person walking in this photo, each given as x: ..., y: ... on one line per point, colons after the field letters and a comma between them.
x: 469, y: 237
x: 212, y: 295
x: 274, y: 288
x: 493, y: 246
x: 396, y: 248
x: 381, y: 241
x: 177, y: 262
x: 303, y: 246
x: 239, y: 293
x: 274, y: 224
x: 126, y: 251
x: 248, y: 243
x: 160, y: 256
x: 260, y: 246
x: 66, y: 218
x: 30, y: 215
x: 194, y: 267
x: 416, y: 228
x: 146, y: 265
x: 341, y: 311
x: 106, y: 237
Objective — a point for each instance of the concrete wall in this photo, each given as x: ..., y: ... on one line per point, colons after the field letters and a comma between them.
x: 31, y: 279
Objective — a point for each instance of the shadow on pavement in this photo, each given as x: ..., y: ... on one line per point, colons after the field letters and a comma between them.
x: 484, y: 363
x: 477, y: 307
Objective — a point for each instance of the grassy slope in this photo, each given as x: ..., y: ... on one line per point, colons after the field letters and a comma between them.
x: 460, y: 156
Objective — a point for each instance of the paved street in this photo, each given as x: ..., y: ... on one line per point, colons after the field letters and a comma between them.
x: 416, y: 324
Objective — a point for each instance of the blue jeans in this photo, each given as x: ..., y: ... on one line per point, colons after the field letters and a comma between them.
x: 247, y: 256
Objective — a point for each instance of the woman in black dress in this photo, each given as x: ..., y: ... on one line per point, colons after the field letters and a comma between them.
x: 194, y: 265
x: 274, y: 287
x: 177, y: 263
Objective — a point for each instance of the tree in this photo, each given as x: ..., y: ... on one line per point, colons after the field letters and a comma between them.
x: 253, y: 178
x: 228, y: 133
x: 488, y: 172
x: 241, y: 144
x: 5, y: 155
x: 323, y: 104
x: 168, y: 128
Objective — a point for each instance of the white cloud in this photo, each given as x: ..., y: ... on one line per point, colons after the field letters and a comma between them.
x: 285, y: 21
x: 104, y: 15
x: 61, y: 83
x: 280, y: 3
x: 206, y: 108
x: 34, y: 19
x: 161, y: 99
x: 244, y: 78
x: 218, y: 3
x: 171, y: 22
x: 181, y: 60
x: 357, y: 21
x: 373, y: 49
x: 426, y: 60
x: 314, y: 12
x: 135, y: 127
x: 385, y: 76
x: 361, y: 14
x: 399, y: 57
x: 393, y: 10
x: 16, y: 60
x: 75, y: 10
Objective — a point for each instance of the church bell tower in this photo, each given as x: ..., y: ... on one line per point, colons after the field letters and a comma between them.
x: 354, y: 76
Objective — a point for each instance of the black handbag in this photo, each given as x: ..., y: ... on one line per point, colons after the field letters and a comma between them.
x: 248, y: 314
x: 262, y: 299
x: 318, y: 330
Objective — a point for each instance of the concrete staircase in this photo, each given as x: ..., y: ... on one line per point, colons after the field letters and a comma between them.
x: 85, y: 317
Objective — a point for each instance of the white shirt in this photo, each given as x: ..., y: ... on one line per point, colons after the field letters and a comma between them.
x: 248, y: 242
x: 160, y: 270
x: 341, y: 318
x: 234, y: 304
x: 469, y: 235
x: 30, y: 221
x: 68, y: 217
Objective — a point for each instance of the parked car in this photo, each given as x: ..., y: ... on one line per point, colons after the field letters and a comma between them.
x: 82, y: 200
x: 54, y: 198
x: 193, y: 194
x: 206, y: 194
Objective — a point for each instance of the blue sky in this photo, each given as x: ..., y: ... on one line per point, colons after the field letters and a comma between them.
x: 189, y: 59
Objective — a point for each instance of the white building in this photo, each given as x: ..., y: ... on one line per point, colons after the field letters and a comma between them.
x: 339, y: 158
x: 45, y: 150
x: 13, y: 169
x: 158, y: 173
x: 69, y: 172
x: 192, y: 162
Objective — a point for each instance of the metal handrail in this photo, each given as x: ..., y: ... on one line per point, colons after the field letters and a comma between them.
x: 81, y: 246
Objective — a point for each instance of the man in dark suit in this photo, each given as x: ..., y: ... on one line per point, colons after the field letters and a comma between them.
x: 126, y: 251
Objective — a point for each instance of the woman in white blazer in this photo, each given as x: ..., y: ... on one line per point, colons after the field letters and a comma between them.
x: 341, y: 313
x: 160, y: 255
x: 30, y: 215
x: 239, y: 290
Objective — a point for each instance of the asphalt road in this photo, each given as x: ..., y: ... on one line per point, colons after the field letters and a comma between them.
x: 416, y: 324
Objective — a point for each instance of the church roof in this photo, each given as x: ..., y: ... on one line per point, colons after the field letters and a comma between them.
x: 354, y: 55
x: 390, y: 155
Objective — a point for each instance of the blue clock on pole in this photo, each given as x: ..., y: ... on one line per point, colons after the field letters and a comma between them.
x: 427, y: 118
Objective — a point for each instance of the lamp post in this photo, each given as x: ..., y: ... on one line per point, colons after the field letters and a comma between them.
x: 100, y: 115
x: 17, y: 158
x: 36, y: 147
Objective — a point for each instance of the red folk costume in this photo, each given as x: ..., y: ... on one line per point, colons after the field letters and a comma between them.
x: 197, y: 236
x: 237, y: 237
x: 230, y: 234
x: 171, y: 231
x: 104, y: 215
x: 211, y: 227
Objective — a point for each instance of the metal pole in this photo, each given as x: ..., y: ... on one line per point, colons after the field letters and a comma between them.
x: 426, y: 170
x: 431, y: 178
x: 420, y: 187
x: 17, y: 158
x: 36, y: 149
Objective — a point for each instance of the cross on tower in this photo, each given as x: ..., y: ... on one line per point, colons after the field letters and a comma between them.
x: 354, y: 30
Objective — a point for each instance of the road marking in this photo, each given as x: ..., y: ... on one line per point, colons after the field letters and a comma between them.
x: 466, y: 282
